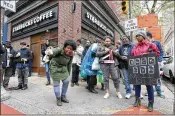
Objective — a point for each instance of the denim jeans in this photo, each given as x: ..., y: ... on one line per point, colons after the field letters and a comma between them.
x: 47, y: 71
x: 158, y: 86
x: 57, y: 88
x: 150, y: 91
x: 126, y: 79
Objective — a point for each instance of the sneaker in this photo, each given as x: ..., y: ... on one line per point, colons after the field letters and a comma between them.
x: 141, y: 96
x: 119, y: 95
x: 72, y: 84
x: 128, y: 95
x: 106, y: 96
x: 161, y: 96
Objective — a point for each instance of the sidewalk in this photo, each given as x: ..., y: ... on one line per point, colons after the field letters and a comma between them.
x: 40, y: 99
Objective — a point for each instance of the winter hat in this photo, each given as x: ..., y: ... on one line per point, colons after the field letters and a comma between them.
x: 149, y: 34
x: 126, y: 37
x: 142, y: 33
x: 23, y: 43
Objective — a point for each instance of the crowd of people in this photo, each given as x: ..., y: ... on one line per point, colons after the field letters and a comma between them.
x: 112, y: 61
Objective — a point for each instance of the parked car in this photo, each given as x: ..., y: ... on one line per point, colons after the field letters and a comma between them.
x: 168, y: 69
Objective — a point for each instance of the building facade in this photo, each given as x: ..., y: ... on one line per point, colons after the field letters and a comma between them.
x: 58, y: 21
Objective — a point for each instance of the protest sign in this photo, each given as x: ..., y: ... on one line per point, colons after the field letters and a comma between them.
x: 143, y: 70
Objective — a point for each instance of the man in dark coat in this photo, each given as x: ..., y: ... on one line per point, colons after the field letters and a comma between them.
x: 8, y: 63
x: 23, y: 56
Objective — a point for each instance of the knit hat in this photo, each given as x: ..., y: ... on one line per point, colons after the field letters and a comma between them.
x: 142, y: 33
x: 126, y: 37
x: 149, y: 34
x: 23, y: 43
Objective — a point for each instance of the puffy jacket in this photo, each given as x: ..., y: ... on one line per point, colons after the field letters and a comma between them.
x: 125, y: 50
x: 159, y: 46
x: 144, y: 48
x: 101, y: 52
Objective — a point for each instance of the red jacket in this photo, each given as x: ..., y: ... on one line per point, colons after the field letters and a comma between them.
x: 143, y: 48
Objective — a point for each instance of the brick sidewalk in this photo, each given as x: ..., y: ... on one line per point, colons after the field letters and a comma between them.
x: 6, y: 110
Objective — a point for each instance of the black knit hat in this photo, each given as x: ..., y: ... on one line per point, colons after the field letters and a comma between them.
x: 149, y: 34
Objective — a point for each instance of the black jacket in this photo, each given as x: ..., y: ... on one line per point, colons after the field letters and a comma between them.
x: 1, y: 49
x: 4, y: 58
x: 44, y: 48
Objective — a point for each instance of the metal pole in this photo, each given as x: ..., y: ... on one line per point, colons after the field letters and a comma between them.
x: 4, y: 94
x: 130, y: 16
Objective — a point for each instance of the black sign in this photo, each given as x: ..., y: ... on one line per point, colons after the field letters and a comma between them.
x: 92, y: 20
x: 143, y: 70
x: 46, y: 19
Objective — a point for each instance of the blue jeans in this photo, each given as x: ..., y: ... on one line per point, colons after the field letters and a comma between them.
x: 150, y: 91
x: 47, y: 71
x: 158, y: 86
x: 126, y: 79
x: 56, y: 85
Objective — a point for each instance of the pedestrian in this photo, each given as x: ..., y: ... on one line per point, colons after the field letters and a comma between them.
x: 144, y: 47
x: 76, y: 63
x: 30, y: 61
x: 86, y: 67
x: 60, y: 68
x: 109, y: 65
x: 117, y: 45
x: 8, y: 63
x: 46, y: 64
x: 125, y: 51
x: 160, y: 58
x: 23, y: 57
x: 88, y: 44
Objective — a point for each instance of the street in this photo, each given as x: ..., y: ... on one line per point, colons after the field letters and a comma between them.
x: 40, y: 99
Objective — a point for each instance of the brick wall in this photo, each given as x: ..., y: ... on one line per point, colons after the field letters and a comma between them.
x: 77, y: 21
x: 69, y: 24
x: 16, y: 44
x: 9, y: 32
x: 64, y: 21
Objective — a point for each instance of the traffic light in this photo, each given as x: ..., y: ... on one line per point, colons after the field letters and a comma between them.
x: 124, y: 5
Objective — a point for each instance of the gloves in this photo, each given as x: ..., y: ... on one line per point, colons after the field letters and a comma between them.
x: 23, y: 59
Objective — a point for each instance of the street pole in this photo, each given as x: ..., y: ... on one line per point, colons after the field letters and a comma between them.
x: 4, y: 94
x: 130, y: 16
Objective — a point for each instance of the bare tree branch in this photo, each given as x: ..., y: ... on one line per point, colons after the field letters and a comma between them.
x: 146, y: 2
x: 153, y: 7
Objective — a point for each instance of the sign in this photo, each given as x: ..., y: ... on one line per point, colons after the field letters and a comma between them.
x: 143, y: 70
x: 98, y: 23
x: 9, y: 4
x: 147, y: 20
x: 156, y: 32
x: 131, y: 25
x: 33, y: 21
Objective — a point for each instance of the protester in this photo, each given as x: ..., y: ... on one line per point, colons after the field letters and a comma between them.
x: 30, y: 61
x: 125, y: 51
x: 144, y: 47
x: 76, y: 63
x: 160, y: 58
x: 8, y: 63
x: 88, y: 44
x: 86, y: 68
x: 117, y: 45
x: 44, y: 48
x: 109, y: 65
x: 23, y: 57
x: 60, y: 68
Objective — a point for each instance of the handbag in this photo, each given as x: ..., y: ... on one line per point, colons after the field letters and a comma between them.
x: 95, y: 64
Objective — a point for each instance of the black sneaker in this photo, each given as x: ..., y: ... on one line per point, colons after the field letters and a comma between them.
x: 25, y: 87
x: 64, y: 99
x: 77, y: 84
x: 72, y: 84
x: 18, y: 87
